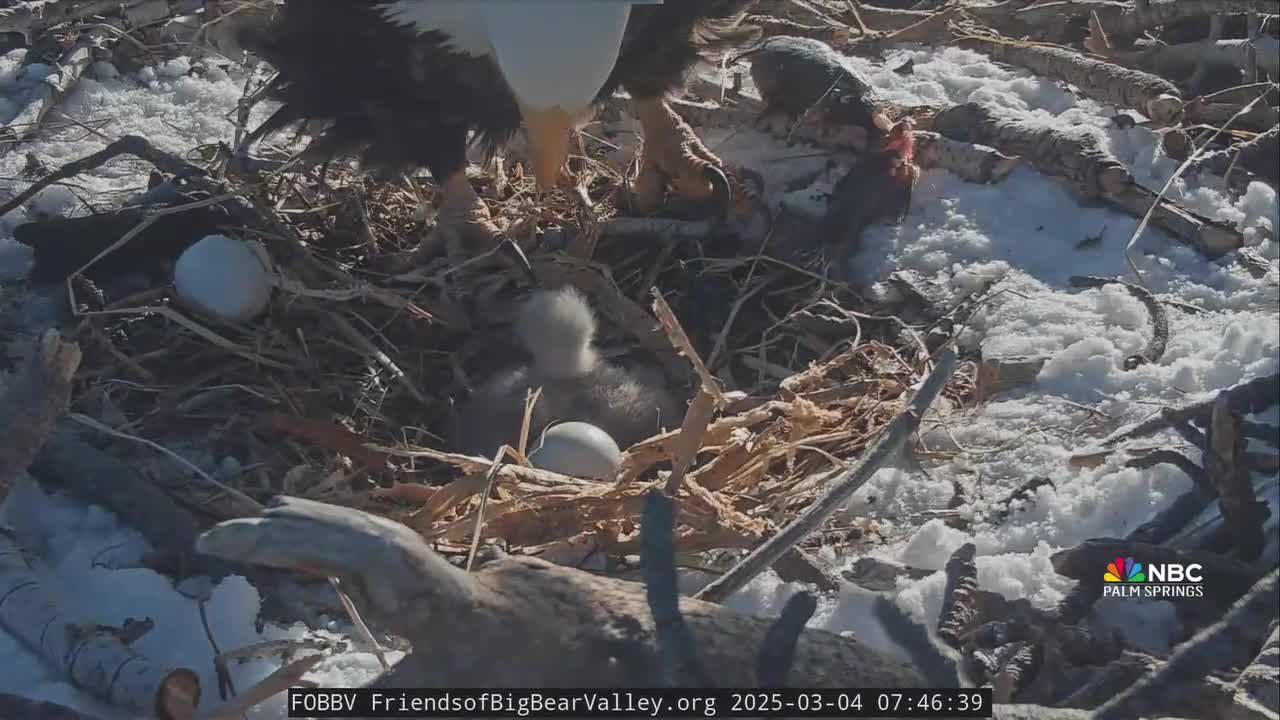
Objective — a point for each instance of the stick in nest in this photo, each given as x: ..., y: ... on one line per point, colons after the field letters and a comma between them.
x: 277, y: 682
x: 127, y: 145
x: 890, y: 442
x: 677, y: 657
x: 1159, y: 318
x: 704, y: 405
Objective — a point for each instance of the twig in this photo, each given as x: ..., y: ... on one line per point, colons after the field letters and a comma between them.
x: 1249, y: 397
x: 489, y: 478
x: 127, y: 145
x: 676, y: 335
x: 358, y: 622
x: 383, y: 359
x: 1159, y: 318
x: 277, y: 682
x: 779, y: 647
x: 678, y: 658
x: 1176, y: 459
x: 890, y: 442
x: 689, y: 441
x: 1159, y: 199
x: 959, y: 610
x: 241, y: 500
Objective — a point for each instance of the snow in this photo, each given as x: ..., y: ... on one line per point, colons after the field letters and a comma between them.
x: 1024, y: 231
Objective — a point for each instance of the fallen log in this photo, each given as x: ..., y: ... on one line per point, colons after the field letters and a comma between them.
x: 16, y: 707
x: 1260, y: 118
x: 37, y: 17
x: 1242, y: 512
x: 1090, y: 171
x: 1124, y: 20
x: 53, y: 89
x: 1183, y: 60
x: 1248, y: 397
x: 36, y: 398
x: 968, y: 161
x: 1204, y: 699
x: 1103, y: 81
x: 1258, y: 685
x: 1258, y: 156
x: 578, y: 630
x: 95, y: 478
x: 94, y: 659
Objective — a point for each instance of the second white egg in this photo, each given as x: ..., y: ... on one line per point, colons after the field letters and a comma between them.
x: 578, y: 449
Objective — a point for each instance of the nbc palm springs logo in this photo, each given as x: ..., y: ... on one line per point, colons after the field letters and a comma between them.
x: 1125, y: 577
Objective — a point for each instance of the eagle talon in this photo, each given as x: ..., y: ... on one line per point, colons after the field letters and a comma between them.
x: 721, y: 189
x: 511, y: 251
x: 674, y: 156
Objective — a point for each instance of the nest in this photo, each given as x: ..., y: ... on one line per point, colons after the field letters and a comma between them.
x: 345, y: 391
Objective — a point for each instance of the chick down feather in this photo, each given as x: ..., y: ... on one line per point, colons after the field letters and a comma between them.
x: 558, y: 329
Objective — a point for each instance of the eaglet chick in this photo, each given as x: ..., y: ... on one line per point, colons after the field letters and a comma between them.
x: 558, y: 328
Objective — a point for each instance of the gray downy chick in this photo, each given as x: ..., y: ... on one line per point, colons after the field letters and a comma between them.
x: 558, y: 328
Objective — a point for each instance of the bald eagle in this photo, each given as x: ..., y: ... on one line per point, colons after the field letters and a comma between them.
x: 408, y: 83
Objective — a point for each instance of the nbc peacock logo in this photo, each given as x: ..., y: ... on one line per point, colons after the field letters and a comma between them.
x: 1126, y: 577
x: 1124, y: 570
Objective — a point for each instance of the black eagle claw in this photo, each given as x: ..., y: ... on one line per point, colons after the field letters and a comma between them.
x: 511, y: 249
x: 721, y: 189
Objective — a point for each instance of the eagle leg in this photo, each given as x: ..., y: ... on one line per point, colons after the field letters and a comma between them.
x: 674, y: 156
x: 464, y: 228
x: 465, y: 231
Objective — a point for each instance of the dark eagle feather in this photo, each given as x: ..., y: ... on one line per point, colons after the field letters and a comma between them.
x: 401, y: 100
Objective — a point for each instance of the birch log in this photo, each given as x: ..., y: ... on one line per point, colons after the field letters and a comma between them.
x: 576, y: 629
x: 1091, y: 172
x: 27, y: 123
x: 16, y: 707
x: 1103, y: 81
x: 1123, y: 19
x: 1261, y: 118
x: 93, y: 658
x: 1177, y: 60
x: 38, y: 16
x: 37, y: 397
x: 971, y: 162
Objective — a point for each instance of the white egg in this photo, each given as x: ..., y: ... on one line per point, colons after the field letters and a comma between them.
x: 224, y: 277
x: 578, y: 449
